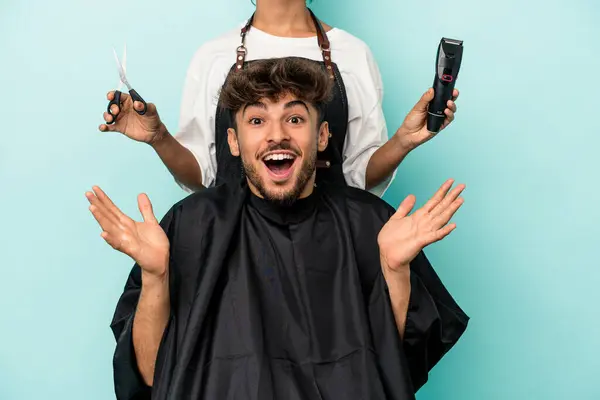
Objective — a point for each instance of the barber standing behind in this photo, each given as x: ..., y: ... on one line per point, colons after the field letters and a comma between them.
x: 359, y: 152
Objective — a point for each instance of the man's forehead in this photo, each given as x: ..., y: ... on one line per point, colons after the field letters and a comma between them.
x: 285, y: 101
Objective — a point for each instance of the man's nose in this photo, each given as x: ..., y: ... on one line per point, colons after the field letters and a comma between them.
x: 278, y: 133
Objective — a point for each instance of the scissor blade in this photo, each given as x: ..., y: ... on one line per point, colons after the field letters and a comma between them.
x: 120, y: 83
x: 121, y: 70
x: 124, y: 63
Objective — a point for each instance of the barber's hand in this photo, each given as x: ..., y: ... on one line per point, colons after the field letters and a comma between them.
x: 145, y: 242
x: 145, y: 128
x: 413, y: 131
x: 404, y: 236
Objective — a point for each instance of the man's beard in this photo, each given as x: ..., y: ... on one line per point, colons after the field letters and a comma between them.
x: 283, y: 198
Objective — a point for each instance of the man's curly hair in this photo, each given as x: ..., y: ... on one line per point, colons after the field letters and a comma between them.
x: 274, y: 78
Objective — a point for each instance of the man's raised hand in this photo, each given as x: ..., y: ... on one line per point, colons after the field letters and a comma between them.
x: 145, y: 242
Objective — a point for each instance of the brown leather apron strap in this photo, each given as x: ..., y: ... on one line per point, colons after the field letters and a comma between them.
x: 322, y: 40
x: 324, y: 44
x: 241, y: 50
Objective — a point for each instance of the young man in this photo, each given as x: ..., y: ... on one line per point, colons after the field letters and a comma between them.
x: 277, y: 289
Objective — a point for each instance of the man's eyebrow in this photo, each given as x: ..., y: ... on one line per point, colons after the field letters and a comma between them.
x: 297, y: 103
x: 255, y: 104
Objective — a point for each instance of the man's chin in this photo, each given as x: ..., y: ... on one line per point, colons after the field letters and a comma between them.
x: 279, y: 188
x: 282, y: 194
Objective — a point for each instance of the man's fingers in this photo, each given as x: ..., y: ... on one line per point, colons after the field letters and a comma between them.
x: 106, y: 223
x: 107, y: 202
x: 405, y: 207
x: 439, y: 195
x: 145, y: 207
x: 112, y: 240
x: 447, y: 200
x: 93, y: 199
x: 445, y: 231
x: 439, y: 234
x: 444, y: 217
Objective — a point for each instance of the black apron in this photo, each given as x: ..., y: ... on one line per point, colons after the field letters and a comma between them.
x: 329, y: 161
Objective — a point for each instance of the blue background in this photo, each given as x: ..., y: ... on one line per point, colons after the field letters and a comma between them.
x: 523, y: 261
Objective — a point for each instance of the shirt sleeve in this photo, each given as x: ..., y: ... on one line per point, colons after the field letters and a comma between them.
x: 196, y: 124
x: 367, y: 130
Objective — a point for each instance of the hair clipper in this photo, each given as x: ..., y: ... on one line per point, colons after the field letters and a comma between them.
x: 449, y: 56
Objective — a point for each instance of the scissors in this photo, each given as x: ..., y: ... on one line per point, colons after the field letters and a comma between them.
x: 122, y: 68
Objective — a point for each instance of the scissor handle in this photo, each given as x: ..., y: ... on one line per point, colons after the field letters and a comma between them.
x: 117, y: 101
x: 136, y: 97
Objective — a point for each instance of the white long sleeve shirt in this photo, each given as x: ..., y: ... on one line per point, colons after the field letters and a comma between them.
x: 212, y: 62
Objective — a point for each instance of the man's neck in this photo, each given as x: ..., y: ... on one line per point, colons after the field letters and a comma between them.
x: 288, y: 18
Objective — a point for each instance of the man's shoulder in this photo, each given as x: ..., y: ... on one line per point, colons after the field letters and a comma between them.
x: 208, y: 203
x: 356, y: 195
x: 361, y: 201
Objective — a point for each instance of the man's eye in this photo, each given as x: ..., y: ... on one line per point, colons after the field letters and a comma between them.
x: 255, y: 121
x: 296, y: 120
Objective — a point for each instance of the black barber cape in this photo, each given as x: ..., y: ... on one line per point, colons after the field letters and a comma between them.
x: 271, y: 303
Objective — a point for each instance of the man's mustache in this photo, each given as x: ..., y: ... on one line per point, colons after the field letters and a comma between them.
x: 280, y: 146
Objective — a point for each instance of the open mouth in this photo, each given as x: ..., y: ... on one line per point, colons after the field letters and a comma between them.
x: 280, y: 164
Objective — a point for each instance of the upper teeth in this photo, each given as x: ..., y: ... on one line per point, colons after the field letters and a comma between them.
x: 279, y: 157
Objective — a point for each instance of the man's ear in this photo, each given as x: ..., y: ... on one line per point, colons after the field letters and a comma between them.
x: 232, y: 140
x: 323, y: 138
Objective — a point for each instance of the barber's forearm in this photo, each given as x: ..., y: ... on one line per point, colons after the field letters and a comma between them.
x: 398, y: 282
x: 384, y: 162
x: 149, y: 323
x: 179, y: 160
